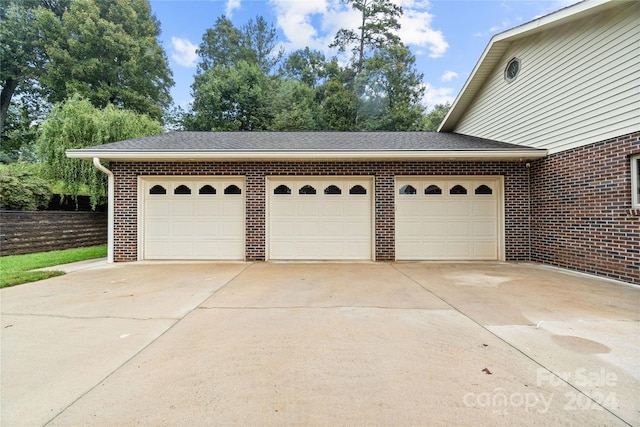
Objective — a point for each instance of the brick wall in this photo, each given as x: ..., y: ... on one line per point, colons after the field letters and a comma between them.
x: 516, y: 196
x: 581, y: 210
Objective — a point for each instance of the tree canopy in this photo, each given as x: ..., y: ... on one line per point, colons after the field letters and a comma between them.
x: 377, y: 29
x: 76, y: 123
x: 108, y: 52
x: 22, y: 55
x: 243, y: 82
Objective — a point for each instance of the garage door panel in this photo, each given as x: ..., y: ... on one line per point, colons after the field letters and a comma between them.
x: 458, y: 229
x: 158, y: 228
x: 306, y: 229
x: 332, y: 228
x: 235, y: 208
x: 358, y: 230
x: 158, y: 249
x: 181, y: 249
x: 210, y: 229
x: 305, y: 247
x: 181, y: 229
x: 447, y: 226
x: 286, y: 248
x: 484, y: 250
x: 308, y: 208
x: 358, y: 208
x: 320, y: 226
x: 229, y: 230
x: 183, y: 208
x: 408, y: 228
x: 458, y: 207
x: 158, y: 209
x: 459, y: 250
x: 484, y: 229
x: 431, y: 208
x: 431, y: 228
x: 207, y: 208
x: 332, y: 207
x: 435, y: 249
x: 484, y: 208
x: 283, y: 229
x: 280, y: 207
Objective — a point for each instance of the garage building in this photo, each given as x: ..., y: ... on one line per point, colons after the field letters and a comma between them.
x: 316, y: 196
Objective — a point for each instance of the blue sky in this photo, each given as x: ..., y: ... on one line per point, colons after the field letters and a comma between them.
x: 446, y: 36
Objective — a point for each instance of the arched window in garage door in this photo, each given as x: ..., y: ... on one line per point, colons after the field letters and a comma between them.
x: 358, y: 189
x: 484, y: 189
x: 207, y: 189
x: 232, y: 189
x: 432, y: 190
x: 332, y: 189
x: 282, y: 189
x: 307, y: 189
x: 458, y: 190
x: 157, y: 190
x: 182, y: 189
x: 407, y: 189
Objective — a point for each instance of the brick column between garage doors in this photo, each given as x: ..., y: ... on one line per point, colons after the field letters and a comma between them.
x: 255, y: 226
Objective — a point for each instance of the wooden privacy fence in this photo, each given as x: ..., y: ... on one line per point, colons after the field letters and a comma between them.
x: 30, y: 232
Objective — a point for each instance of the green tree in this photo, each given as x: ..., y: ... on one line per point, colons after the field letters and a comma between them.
x: 108, y: 52
x: 231, y: 98
x: 22, y: 188
x: 391, y: 90
x: 338, y: 106
x: 254, y: 43
x: 295, y: 108
x: 221, y: 45
x: 76, y: 123
x: 309, y: 67
x: 378, y: 21
x: 21, y: 55
x: 20, y: 132
x: 233, y: 88
x: 432, y: 120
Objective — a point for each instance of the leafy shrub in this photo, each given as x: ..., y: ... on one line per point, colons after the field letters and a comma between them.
x: 22, y: 189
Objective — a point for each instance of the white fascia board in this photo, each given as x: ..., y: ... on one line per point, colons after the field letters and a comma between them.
x: 194, y: 156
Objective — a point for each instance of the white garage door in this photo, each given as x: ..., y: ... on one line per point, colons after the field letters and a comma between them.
x: 320, y: 218
x: 197, y: 218
x: 448, y: 218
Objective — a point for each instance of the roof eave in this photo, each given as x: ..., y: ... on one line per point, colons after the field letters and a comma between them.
x: 187, y: 156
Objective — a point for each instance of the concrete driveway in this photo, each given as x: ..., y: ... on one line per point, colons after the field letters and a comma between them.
x: 320, y: 344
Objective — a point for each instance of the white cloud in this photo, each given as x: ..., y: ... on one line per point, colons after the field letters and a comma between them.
x: 416, y: 28
x: 448, y: 76
x: 184, y: 52
x: 437, y: 95
x: 314, y: 23
x: 231, y: 6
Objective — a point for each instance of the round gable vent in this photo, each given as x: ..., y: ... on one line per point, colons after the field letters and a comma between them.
x: 511, y: 70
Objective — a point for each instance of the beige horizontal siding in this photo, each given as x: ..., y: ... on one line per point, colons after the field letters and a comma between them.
x: 577, y: 85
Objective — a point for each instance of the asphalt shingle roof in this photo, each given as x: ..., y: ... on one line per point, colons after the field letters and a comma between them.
x: 185, y: 141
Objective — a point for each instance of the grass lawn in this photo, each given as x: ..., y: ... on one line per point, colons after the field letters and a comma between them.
x: 15, y: 269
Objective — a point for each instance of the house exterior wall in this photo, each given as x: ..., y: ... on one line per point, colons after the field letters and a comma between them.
x: 516, y: 197
x: 581, y: 216
x: 578, y: 84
